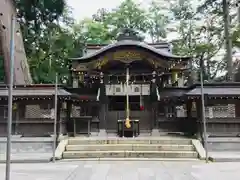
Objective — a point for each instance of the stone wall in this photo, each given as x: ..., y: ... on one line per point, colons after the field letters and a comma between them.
x: 224, y: 144
x: 28, y: 148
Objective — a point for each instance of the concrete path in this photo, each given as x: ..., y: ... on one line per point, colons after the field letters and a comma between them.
x: 122, y: 170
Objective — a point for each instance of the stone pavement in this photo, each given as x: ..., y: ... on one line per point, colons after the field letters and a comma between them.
x: 122, y: 170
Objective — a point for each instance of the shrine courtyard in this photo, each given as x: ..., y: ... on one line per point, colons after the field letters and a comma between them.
x: 116, y: 170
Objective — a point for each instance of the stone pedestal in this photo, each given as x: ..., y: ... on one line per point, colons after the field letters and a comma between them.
x: 102, y: 133
x: 155, y: 132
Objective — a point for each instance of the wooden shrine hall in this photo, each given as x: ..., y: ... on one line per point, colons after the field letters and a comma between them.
x: 126, y: 88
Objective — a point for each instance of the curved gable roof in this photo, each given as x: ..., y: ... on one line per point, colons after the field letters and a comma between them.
x: 132, y: 43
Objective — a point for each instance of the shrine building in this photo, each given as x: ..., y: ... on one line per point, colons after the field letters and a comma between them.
x: 127, y: 88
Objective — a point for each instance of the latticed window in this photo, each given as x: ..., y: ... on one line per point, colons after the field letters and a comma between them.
x: 37, y: 111
x: 221, y: 111
x: 75, y: 111
x: 78, y: 111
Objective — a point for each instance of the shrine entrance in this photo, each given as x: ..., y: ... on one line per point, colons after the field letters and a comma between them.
x: 140, y: 111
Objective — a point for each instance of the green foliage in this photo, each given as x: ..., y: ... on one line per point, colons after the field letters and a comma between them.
x: 47, y: 44
x: 37, y: 15
x: 55, y: 59
x: 201, y: 36
x: 128, y: 15
x: 93, y: 32
x: 51, y: 35
x: 236, y: 38
x: 158, y: 19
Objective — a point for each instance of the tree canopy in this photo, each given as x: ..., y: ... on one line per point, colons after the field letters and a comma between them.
x: 51, y: 35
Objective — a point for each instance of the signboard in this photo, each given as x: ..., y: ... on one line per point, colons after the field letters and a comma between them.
x: 133, y: 90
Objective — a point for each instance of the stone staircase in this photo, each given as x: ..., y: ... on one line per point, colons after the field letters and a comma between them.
x: 78, y: 148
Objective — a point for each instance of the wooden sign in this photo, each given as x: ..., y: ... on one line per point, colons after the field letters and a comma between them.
x: 127, y: 55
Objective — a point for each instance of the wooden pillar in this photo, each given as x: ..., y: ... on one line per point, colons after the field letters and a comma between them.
x: 237, y: 110
x: 16, y: 117
x: 154, y: 115
x: 199, y: 117
x: 192, y: 124
x: 103, y: 101
x: 103, y: 110
x: 189, y: 108
x: 69, y: 121
x: 59, y: 123
x: 154, y: 99
x: 75, y: 80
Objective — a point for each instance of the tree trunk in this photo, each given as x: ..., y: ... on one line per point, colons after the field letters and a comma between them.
x: 228, y: 40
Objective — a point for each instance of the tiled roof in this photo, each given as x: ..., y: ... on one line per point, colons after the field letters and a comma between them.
x: 215, y: 91
x: 34, y: 92
x: 132, y: 43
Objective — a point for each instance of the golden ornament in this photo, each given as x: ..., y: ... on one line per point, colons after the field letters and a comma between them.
x: 127, y: 123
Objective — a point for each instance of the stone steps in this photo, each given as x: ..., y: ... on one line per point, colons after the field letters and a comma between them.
x: 132, y: 159
x: 130, y: 147
x: 82, y: 141
x: 129, y: 154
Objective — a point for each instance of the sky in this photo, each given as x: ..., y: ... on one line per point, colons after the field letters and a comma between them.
x: 86, y: 8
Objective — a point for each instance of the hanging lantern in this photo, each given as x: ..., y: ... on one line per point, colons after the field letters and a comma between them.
x: 194, y: 106
x: 64, y: 105
x: 14, y: 107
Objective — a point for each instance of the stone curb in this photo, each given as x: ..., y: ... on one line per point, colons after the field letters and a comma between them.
x: 199, y: 148
x: 60, y: 149
x: 27, y: 161
x: 224, y: 159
